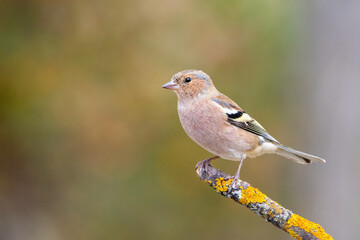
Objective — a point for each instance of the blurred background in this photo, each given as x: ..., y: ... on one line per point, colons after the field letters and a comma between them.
x: 91, y: 146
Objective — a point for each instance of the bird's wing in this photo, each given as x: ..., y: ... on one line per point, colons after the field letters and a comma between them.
x: 239, y: 118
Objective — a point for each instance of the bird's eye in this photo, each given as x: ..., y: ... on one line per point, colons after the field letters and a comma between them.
x: 188, y: 79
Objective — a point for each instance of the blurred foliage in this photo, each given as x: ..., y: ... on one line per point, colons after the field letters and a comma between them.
x: 91, y: 146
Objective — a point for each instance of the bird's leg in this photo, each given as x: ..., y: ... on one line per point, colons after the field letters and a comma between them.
x: 236, y: 176
x: 203, y: 164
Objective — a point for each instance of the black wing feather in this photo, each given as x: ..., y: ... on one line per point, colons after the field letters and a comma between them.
x: 240, y: 119
x: 253, y: 128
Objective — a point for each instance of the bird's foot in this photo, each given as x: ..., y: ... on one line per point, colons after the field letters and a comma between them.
x: 202, y: 165
x: 235, y: 184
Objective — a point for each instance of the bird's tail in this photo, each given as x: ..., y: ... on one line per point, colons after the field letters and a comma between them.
x: 297, y: 156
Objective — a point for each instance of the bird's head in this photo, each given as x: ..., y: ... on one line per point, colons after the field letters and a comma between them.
x: 190, y: 84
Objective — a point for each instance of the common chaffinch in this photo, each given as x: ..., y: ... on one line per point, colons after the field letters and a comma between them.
x: 220, y: 126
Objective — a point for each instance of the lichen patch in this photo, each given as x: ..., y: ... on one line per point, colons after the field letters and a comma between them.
x: 251, y: 195
x: 221, y: 185
x: 315, y: 229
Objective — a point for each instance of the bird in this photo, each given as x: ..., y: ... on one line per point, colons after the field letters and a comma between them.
x: 220, y: 126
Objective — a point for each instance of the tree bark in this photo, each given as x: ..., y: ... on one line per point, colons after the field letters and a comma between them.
x: 252, y: 198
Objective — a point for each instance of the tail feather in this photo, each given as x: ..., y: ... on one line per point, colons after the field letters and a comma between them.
x: 297, y: 156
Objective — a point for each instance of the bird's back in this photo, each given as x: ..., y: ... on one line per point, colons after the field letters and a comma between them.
x: 207, y: 126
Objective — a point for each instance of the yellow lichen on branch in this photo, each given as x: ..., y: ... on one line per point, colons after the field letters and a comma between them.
x: 315, y: 229
x: 251, y: 197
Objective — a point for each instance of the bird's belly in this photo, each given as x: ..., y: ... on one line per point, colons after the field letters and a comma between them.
x: 218, y: 137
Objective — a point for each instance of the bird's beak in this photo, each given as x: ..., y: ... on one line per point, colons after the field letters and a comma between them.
x: 171, y: 85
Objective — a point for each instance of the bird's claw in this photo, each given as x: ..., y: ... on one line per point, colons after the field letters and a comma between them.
x: 202, y: 165
x: 235, y: 184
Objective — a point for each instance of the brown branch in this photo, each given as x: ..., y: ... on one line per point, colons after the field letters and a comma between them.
x: 246, y: 195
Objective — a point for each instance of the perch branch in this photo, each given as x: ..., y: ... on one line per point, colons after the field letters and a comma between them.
x: 252, y: 198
